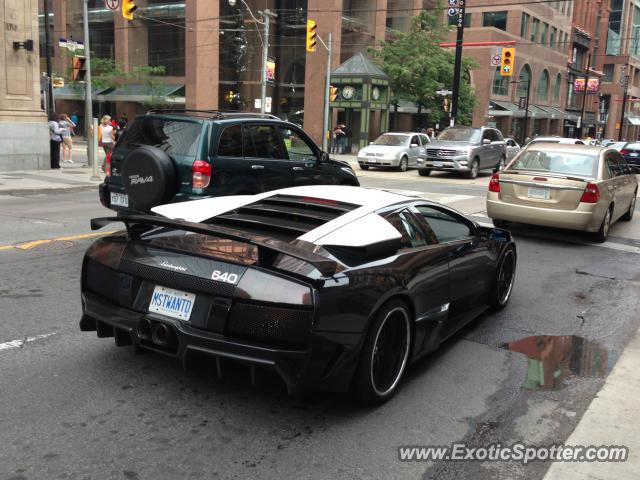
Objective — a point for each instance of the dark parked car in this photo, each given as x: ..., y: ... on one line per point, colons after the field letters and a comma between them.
x: 171, y: 156
x: 631, y: 153
x: 330, y: 287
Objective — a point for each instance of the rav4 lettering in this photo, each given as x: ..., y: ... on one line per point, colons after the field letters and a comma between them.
x: 136, y: 179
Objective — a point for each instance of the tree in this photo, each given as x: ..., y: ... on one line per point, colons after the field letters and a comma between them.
x: 418, y: 67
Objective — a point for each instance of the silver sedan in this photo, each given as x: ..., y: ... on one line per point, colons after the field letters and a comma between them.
x: 398, y: 150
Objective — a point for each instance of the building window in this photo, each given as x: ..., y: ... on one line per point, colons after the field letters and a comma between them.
x: 524, y: 25
x: 500, y: 83
x: 543, y: 87
x: 534, y: 29
x: 543, y: 33
x: 615, y: 28
x: 552, y: 37
x: 523, y: 80
x: 495, y: 19
x: 607, y: 69
x: 557, y: 87
x: 453, y: 20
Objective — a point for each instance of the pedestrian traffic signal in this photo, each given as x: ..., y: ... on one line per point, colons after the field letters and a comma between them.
x: 78, y: 68
x: 311, y: 35
x: 507, y: 61
x: 333, y: 94
x: 128, y: 7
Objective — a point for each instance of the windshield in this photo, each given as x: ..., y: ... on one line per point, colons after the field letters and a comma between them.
x: 174, y: 137
x: 460, y: 135
x: 565, y: 163
x: 392, y: 140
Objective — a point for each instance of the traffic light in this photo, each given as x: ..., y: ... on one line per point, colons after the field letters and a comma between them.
x: 333, y: 93
x: 311, y: 35
x: 78, y: 68
x: 507, y: 61
x: 128, y: 7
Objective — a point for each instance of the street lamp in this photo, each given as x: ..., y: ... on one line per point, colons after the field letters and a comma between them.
x: 266, y: 16
x: 526, y: 108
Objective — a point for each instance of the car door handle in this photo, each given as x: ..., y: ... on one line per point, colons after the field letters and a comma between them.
x: 297, y: 168
x: 257, y: 167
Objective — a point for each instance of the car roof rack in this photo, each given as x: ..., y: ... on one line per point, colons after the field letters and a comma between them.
x: 221, y: 114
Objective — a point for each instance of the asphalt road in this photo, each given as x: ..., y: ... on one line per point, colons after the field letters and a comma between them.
x: 74, y: 406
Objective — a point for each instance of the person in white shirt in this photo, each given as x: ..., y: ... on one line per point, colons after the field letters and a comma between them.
x: 106, y: 137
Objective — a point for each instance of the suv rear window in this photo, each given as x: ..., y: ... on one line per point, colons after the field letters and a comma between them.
x: 175, y: 137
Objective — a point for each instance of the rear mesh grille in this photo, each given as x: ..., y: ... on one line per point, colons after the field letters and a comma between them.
x: 176, y: 279
x: 101, y: 280
x: 283, y: 326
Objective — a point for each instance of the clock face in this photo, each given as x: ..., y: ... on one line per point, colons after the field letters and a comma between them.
x: 375, y: 93
x: 348, y: 92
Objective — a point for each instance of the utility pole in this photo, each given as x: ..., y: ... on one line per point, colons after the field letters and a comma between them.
x: 585, y: 93
x: 458, y: 62
x: 47, y: 48
x: 327, y: 87
x: 88, y: 108
x: 625, y: 85
x: 266, y: 16
x: 526, y: 111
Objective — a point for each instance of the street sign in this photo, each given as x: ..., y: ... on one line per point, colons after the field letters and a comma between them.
x: 70, y: 44
x: 58, y: 82
x: 112, y: 4
x: 444, y: 92
x: 522, y: 102
x: 267, y: 104
x: 257, y: 103
x: 496, y: 60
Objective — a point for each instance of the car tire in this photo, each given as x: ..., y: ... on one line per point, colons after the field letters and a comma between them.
x: 475, y: 168
x: 385, y: 354
x: 149, y: 177
x: 404, y: 164
x: 504, y: 280
x: 364, y: 167
x: 501, y: 165
x: 629, y: 214
x: 423, y: 172
x: 602, y: 234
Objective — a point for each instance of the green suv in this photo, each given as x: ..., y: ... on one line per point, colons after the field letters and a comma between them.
x: 170, y: 156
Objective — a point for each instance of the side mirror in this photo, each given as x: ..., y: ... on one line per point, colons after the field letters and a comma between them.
x: 486, y: 141
x: 324, y: 157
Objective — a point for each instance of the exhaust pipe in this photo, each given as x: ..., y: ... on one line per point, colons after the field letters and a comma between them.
x: 144, y: 330
x: 161, y: 334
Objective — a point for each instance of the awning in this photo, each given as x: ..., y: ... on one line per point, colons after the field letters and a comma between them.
x: 633, y: 120
x: 572, y: 116
x: 538, y: 112
x: 145, y: 93
x: 76, y: 92
x: 556, y: 113
x: 498, y: 108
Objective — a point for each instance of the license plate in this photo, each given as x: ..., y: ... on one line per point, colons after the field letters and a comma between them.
x: 542, y: 193
x: 372, y: 160
x: 172, y: 303
x: 438, y: 164
x: 119, y: 199
x: 633, y: 154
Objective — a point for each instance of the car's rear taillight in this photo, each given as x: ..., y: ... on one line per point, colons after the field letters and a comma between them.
x: 624, y: 151
x: 494, y: 183
x: 201, y: 174
x: 591, y: 193
x: 107, y: 164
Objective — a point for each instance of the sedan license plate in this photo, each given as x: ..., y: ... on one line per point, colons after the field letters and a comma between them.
x: 542, y: 193
x: 119, y: 200
x: 172, y: 303
x: 438, y: 164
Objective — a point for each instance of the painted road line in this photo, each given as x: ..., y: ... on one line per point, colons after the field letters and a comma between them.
x: 36, y: 243
x: 23, y: 341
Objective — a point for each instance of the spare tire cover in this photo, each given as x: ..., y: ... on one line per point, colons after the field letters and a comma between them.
x: 149, y: 177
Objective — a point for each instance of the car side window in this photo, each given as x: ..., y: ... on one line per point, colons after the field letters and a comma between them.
x: 230, y: 144
x: 612, y: 165
x: 412, y: 234
x: 624, y: 166
x: 263, y: 141
x: 510, y: 143
x: 446, y: 227
x: 498, y: 135
x: 425, y: 140
x: 297, y: 147
x: 415, y: 140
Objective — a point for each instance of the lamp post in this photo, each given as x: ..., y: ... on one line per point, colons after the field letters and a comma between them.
x: 526, y: 109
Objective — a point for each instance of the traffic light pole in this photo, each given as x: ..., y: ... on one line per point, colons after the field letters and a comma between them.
x: 327, y: 90
x: 584, y: 95
x: 624, y: 104
x: 88, y: 109
x: 51, y: 107
x: 458, y: 64
x: 266, y: 16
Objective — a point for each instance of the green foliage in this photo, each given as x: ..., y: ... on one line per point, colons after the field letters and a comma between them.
x: 418, y: 67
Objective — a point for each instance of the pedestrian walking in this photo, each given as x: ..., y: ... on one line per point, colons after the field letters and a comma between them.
x: 106, y: 137
x: 74, y: 120
x: 431, y: 134
x: 55, y: 139
x: 67, y: 142
x: 338, y: 136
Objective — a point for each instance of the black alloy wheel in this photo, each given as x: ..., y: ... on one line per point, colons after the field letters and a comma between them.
x: 423, y: 172
x: 504, y: 280
x: 385, y: 354
x: 632, y: 206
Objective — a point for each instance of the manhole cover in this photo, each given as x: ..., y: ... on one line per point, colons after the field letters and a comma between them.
x: 52, y: 246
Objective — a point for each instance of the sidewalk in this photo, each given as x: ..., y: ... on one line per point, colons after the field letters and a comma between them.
x: 609, y: 420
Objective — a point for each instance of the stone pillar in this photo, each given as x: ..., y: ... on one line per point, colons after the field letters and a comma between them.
x: 202, y: 46
x: 24, y: 135
x: 328, y: 16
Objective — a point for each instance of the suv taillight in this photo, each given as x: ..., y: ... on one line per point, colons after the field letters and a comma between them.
x: 624, y: 151
x: 494, y: 183
x: 201, y: 174
x: 107, y: 164
x: 591, y: 193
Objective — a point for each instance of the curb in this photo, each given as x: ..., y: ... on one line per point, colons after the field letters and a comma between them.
x: 26, y: 191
